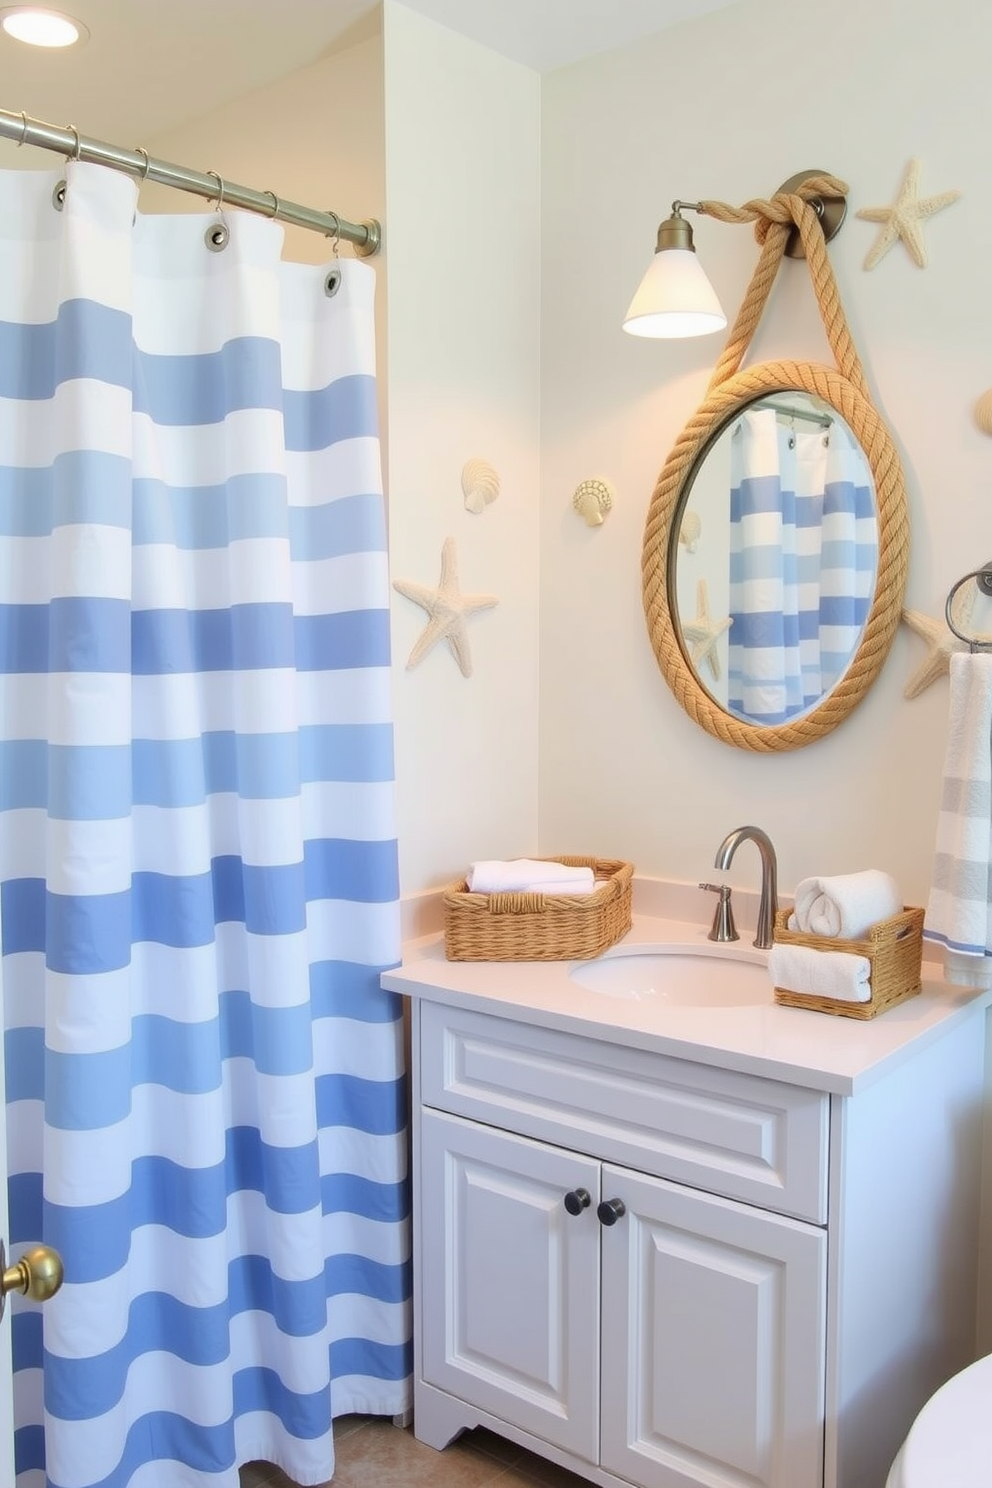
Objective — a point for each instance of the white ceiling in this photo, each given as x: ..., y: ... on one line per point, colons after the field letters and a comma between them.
x: 151, y: 65
x: 545, y: 34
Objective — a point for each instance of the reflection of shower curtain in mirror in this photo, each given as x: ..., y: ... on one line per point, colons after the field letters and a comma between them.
x: 848, y: 556
x: 800, y: 578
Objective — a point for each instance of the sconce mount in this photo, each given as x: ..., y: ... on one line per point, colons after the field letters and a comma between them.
x: 831, y: 210
x: 675, y: 232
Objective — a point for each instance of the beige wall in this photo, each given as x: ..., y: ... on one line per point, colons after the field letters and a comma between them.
x: 729, y: 107
x: 440, y: 139
x: 315, y: 137
x: 520, y: 213
x: 463, y: 380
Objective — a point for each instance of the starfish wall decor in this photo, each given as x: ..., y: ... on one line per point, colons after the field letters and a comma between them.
x: 447, y: 609
x: 704, y: 634
x: 905, y: 218
x: 941, y: 643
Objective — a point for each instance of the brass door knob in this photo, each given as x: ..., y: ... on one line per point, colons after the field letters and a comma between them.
x: 38, y: 1274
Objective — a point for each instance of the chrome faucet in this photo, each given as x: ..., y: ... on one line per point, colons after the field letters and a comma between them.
x: 768, y: 903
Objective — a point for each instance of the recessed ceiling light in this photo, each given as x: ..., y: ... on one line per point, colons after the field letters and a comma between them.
x: 38, y: 27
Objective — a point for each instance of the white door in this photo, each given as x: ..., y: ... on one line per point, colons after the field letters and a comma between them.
x: 713, y: 1340
x: 510, y: 1306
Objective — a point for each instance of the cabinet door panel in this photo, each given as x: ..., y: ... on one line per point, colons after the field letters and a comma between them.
x: 713, y: 1341
x: 510, y: 1305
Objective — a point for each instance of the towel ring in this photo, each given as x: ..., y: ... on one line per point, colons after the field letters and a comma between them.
x: 983, y: 578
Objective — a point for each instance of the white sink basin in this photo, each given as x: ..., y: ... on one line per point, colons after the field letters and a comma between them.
x: 681, y: 975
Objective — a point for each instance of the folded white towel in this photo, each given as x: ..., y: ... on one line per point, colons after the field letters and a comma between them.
x: 845, y: 905
x: 959, y: 911
x: 494, y: 876
x: 820, y: 973
x: 569, y: 886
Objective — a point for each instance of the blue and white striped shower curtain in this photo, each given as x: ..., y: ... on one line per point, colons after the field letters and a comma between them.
x: 198, y: 879
x: 802, y: 563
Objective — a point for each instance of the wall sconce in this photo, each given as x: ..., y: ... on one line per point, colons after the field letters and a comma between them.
x: 675, y: 298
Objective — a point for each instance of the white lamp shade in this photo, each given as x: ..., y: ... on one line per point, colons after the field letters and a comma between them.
x: 674, y: 298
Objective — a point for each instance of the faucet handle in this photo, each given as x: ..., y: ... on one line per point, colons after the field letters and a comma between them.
x: 723, y: 927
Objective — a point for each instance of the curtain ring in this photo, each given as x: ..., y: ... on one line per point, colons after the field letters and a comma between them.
x: 24, y: 129
x: 276, y: 205
x: 76, y: 154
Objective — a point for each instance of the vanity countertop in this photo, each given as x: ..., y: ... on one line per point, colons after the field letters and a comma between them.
x: 817, y: 1050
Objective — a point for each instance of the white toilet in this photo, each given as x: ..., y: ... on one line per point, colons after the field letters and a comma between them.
x: 950, y: 1442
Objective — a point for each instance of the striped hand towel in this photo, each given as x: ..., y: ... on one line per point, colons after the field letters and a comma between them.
x: 959, y: 912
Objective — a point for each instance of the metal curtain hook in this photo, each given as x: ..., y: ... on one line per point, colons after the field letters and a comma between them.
x: 220, y: 190
x: 336, y: 233
x: 276, y: 204
x: 77, y: 152
x: 218, y: 234
x: 24, y: 129
x: 138, y: 150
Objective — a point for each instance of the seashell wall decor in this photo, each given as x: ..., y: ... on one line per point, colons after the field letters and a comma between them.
x: 983, y: 412
x: 480, y: 485
x: 592, y: 499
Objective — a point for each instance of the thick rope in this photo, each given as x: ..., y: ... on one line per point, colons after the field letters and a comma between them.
x: 893, y: 553
x: 774, y: 220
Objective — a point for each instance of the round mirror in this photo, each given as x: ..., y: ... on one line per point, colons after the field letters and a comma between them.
x: 775, y: 556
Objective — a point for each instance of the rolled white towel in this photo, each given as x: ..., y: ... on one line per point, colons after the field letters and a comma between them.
x: 845, y: 905
x: 494, y: 876
x: 820, y: 973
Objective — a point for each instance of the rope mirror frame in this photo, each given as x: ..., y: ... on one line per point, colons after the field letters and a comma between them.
x: 717, y: 410
x: 730, y: 392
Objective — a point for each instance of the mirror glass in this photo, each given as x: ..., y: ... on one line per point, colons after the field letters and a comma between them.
x: 773, y: 557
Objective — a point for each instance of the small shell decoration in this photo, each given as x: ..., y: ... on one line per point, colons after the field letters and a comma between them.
x: 592, y: 499
x: 983, y: 412
x: 480, y: 485
x: 691, y: 531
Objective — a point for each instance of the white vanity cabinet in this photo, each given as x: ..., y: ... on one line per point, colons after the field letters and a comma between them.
x: 660, y: 1272
x: 656, y: 1331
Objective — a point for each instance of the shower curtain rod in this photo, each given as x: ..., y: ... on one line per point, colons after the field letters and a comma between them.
x: 366, y: 236
x: 784, y: 411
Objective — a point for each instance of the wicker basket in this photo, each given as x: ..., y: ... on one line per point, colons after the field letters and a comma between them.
x: 894, y: 949
x: 539, y: 927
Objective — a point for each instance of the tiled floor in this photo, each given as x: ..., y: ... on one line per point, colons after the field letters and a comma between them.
x: 371, y: 1452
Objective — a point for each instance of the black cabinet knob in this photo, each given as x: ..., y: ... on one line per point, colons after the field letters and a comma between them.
x: 610, y: 1210
x: 577, y: 1200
